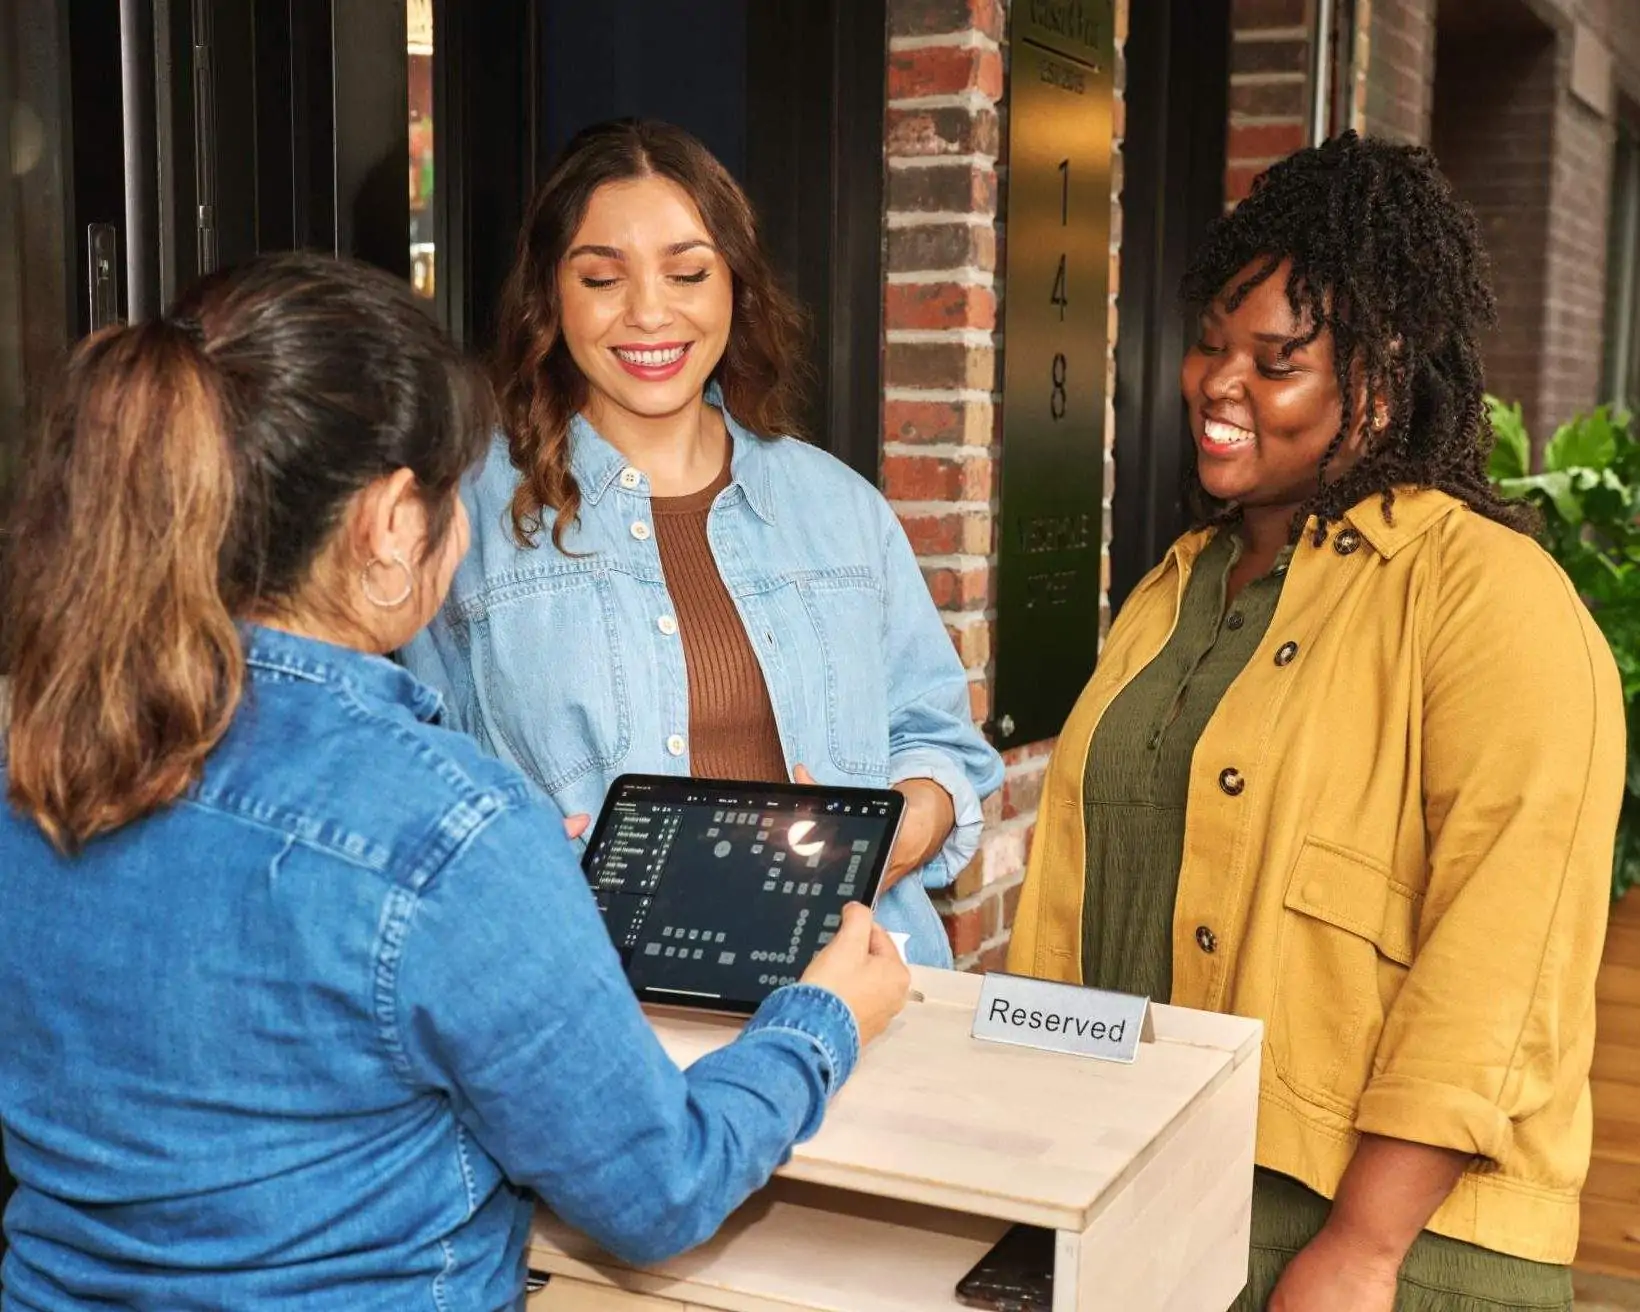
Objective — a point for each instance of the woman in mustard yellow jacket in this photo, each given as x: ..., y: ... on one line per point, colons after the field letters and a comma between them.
x: 1351, y: 763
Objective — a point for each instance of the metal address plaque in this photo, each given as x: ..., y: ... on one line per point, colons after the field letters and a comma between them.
x: 1054, y: 342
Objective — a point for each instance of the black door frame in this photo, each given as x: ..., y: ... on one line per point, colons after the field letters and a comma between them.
x: 1178, y: 89
x: 817, y: 98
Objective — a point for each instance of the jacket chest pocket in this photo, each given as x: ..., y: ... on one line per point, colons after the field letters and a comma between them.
x: 845, y: 614
x: 1346, y: 941
x: 549, y: 675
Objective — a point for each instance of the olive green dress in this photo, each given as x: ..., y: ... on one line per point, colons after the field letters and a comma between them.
x: 1134, y: 796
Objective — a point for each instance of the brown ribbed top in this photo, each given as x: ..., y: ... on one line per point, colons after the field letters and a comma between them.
x: 732, y: 733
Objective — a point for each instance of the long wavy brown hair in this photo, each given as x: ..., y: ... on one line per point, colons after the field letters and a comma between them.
x: 762, y: 373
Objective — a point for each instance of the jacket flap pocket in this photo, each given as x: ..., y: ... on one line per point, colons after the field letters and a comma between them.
x: 1356, y: 894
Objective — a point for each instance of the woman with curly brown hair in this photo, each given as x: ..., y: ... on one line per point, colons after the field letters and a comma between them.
x: 664, y: 580
x: 1351, y: 763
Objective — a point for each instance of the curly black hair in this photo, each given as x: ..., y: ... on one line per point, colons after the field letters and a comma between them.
x: 1388, y: 260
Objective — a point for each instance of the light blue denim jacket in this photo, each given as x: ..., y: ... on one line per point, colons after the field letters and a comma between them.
x: 307, y: 1038
x: 568, y: 664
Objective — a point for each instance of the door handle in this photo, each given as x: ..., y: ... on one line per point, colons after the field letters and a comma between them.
x: 102, y: 263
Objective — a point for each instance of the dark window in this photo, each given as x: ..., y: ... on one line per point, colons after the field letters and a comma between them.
x: 1621, y: 384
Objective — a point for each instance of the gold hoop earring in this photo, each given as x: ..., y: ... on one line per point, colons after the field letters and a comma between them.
x: 388, y: 603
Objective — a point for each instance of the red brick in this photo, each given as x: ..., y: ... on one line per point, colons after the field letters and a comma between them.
x: 939, y: 17
x: 953, y: 364
x: 966, y: 929
x: 1239, y: 179
x: 991, y: 808
x: 936, y: 478
x: 1022, y: 793
x: 993, y: 958
x: 949, y: 130
x: 955, y: 188
x: 952, y: 423
x: 1265, y: 140
x: 936, y: 246
x: 979, y: 702
x: 972, y: 878
x: 933, y: 535
x: 1281, y: 56
x: 940, y: 305
x: 1028, y: 752
x: 953, y: 534
x: 944, y: 71
x: 1010, y: 905
x: 972, y: 643
x: 1268, y: 99
x: 968, y: 588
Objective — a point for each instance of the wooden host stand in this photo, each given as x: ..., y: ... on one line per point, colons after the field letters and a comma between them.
x: 938, y: 1143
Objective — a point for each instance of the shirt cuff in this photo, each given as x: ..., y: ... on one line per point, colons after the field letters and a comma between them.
x: 1440, y: 1115
x: 819, y: 1016
x: 963, y: 841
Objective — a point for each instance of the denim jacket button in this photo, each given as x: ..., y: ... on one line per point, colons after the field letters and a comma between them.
x: 675, y: 744
x: 667, y: 625
x: 630, y: 478
x: 640, y: 530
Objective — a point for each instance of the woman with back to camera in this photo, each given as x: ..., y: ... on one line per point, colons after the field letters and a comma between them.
x: 664, y: 583
x: 304, y: 993
x: 1351, y: 763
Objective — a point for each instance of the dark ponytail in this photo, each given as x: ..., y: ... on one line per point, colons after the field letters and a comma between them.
x: 189, y: 475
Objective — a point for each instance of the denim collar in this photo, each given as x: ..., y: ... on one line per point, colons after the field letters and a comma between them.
x: 596, y: 464
x: 374, y: 677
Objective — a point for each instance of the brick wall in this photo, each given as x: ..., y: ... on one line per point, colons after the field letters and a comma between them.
x: 947, y: 174
x: 1526, y: 132
x: 1491, y: 130
x: 1400, y: 69
x: 1575, y: 274
x: 1269, y: 88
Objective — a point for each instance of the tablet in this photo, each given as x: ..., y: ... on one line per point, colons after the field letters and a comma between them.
x: 716, y: 892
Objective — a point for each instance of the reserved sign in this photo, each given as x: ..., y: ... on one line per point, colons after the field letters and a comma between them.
x: 1040, y: 1013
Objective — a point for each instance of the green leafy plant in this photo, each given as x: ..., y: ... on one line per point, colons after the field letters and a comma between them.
x: 1588, y: 491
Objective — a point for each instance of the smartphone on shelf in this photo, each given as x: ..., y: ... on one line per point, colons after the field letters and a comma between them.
x: 1015, y: 1276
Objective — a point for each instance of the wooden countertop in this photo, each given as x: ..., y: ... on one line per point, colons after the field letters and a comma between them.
x: 935, y: 1116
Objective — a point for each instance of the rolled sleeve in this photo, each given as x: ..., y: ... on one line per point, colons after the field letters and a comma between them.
x: 931, y: 730
x: 1438, y: 1114
x: 963, y: 841
x: 1523, y: 749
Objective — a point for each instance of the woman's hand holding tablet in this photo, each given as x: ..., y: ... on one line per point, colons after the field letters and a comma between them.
x: 718, y: 892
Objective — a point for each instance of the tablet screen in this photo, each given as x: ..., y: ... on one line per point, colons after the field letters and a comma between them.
x: 716, y: 894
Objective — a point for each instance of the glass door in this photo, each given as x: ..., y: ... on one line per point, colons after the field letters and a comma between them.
x: 423, y: 203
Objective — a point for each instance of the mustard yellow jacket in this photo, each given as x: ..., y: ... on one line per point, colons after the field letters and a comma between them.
x: 1398, y: 850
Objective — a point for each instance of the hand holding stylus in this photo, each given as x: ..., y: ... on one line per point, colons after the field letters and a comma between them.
x: 860, y: 965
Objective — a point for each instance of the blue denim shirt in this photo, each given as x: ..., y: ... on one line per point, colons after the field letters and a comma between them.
x: 307, y: 1038
x: 560, y: 661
